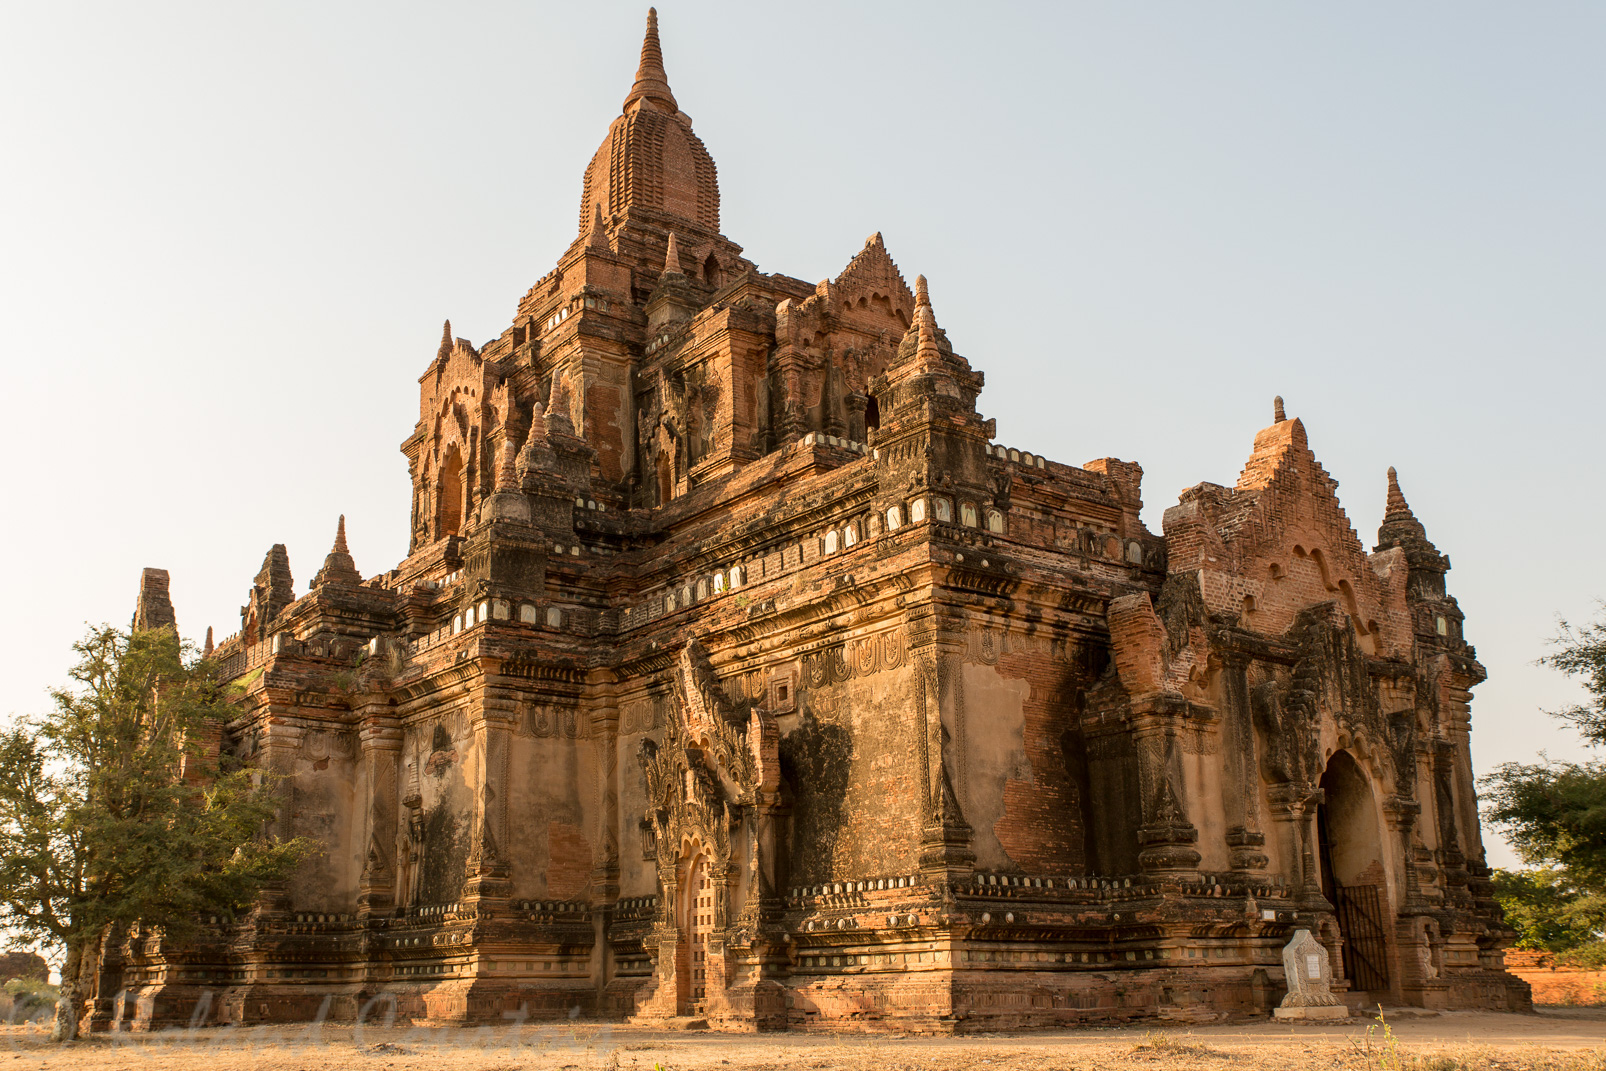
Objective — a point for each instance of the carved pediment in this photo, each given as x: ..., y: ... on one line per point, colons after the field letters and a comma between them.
x: 712, y: 763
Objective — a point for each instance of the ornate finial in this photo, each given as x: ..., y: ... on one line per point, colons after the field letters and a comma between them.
x: 599, y: 235
x: 651, y: 81
x: 672, y: 257
x: 873, y: 240
x: 1277, y: 414
x: 446, y: 340
x: 922, y: 295
x: 340, y: 536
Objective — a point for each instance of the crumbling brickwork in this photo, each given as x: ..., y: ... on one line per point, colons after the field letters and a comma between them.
x: 736, y: 669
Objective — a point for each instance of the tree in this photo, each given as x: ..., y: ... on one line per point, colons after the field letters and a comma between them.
x: 113, y: 809
x: 1554, y: 813
x: 1548, y: 913
x: 1581, y: 652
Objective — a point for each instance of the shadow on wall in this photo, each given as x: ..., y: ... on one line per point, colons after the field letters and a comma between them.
x: 1109, y: 809
x: 815, y: 766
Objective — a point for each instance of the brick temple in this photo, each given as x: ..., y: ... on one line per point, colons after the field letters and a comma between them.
x: 738, y: 670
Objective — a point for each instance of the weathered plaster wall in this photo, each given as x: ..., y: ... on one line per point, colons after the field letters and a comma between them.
x: 552, y: 808
x: 322, y: 777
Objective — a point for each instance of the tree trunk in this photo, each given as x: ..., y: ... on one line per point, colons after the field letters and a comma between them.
x: 68, y: 1006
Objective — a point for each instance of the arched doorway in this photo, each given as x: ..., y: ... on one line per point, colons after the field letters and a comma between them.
x: 696, y: 922
x: 1353, y: 880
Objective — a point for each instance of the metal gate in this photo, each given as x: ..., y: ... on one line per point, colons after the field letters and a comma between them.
x: 1361, y: 920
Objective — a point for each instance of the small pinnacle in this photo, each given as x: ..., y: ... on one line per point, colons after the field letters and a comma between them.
x: 507, y: 473
x: 599, y: 236
x: 446, y: 339
x: 535, y: 444
x: 1278, y: 416
x: 558, y: 416
x: 672, y: 257
x: 340, y: 536
x: 925, y: 325
x: 206, y: 648
x: 1396, y: 500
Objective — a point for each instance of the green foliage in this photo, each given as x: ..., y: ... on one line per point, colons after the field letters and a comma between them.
x: 1590, y: 956
x: 1379, y: 1049
x: 1554, y: 815
x: 1581, y: 652
x: 114, y: 809
x: 1548, y: 911
x: 29, y: 997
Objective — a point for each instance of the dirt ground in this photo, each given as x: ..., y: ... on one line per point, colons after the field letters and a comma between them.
x: 1554, y: 1040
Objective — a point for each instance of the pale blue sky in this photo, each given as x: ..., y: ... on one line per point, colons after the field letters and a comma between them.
x: 230, y: 234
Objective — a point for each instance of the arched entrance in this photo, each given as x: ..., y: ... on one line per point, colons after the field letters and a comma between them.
x: 1351, y: 850
x: 695, y: 922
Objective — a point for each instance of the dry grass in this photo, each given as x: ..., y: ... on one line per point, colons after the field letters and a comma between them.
x: 1460, y: 1042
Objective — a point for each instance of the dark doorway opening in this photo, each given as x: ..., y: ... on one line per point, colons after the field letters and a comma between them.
x: 1350, y: 847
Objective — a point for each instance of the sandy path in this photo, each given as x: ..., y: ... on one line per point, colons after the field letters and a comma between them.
x: 1573, y: 1039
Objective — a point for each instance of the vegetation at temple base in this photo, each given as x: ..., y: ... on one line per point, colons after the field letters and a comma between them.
x: 1554, y: 815
x: 116, y: 808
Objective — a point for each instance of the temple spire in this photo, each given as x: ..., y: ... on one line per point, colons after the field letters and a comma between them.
x: 1277, y: 413
x: 558, y: 417
x: 1397, y: 506
x: 207, y: 648
x: 925, y: 324
x: 507, y: 473
x: 154, y: 608
x: 537, y: 453
x: 652, y: 83
x: 338, y: 567
x: 446, y: 340
x: 672, y: 258
x: 1400, y: 528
